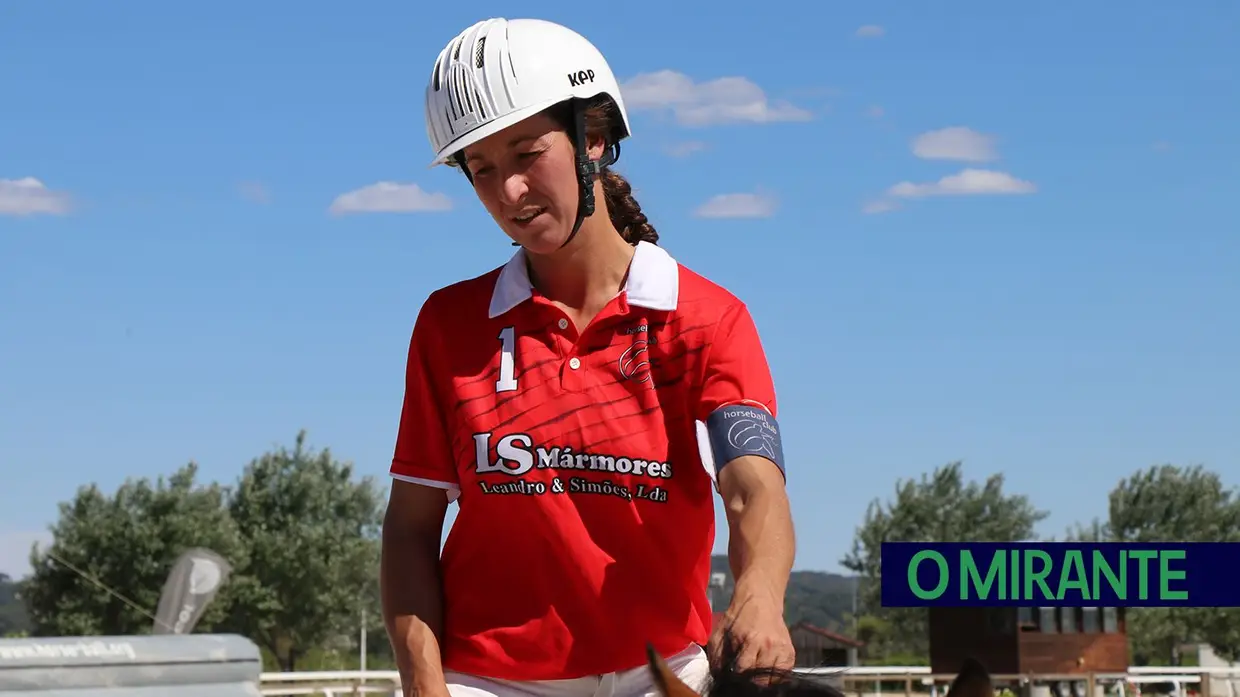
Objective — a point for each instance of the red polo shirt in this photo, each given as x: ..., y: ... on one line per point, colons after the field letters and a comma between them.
x: 586, y: 517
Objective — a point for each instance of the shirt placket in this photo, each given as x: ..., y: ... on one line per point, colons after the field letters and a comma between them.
x: 574, y: 354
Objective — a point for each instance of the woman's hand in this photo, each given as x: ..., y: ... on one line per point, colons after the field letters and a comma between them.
x: 756, y: 619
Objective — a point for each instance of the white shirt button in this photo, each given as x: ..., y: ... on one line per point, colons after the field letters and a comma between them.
x: 574, y: 363
x: 563, y: 323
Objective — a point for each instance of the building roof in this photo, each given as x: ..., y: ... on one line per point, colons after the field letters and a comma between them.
x: 827, y: 634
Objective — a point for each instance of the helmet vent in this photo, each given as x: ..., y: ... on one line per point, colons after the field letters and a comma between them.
x: 478, y: 61
x: 511, y: 68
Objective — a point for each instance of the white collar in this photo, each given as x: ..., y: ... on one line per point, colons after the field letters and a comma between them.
x: 653, y: 281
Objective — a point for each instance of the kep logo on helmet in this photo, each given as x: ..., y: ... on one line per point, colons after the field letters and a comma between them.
x: 580, y: 77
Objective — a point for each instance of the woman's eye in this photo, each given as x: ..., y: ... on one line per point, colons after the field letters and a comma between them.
x: 528, y: 155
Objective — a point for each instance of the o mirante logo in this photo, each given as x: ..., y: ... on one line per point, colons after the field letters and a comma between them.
x: 1060, y: 574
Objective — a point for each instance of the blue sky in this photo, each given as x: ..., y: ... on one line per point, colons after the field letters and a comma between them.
x: 992, y: 232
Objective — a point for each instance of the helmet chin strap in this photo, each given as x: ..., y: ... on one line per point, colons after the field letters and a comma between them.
x: 587, y: 170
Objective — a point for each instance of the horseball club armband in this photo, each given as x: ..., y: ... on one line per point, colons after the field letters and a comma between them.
x: 741, y: 429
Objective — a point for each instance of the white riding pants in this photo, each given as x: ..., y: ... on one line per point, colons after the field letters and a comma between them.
x: 690, y: 665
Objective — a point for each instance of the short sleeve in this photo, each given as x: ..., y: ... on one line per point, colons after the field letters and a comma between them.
x: 736, y: 373
x: 423, y: 444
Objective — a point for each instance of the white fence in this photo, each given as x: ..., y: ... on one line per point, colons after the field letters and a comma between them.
x: 855, y: 680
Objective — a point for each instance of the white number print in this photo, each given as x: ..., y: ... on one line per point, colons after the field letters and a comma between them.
x: 507, y: 381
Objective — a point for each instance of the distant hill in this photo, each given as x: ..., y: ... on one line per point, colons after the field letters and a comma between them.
x: 816, y: 597
x: 12, y: 612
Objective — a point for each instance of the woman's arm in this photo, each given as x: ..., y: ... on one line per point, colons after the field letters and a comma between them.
x: 739, y: 411
x: 411, y: 587
x: 761, y: 539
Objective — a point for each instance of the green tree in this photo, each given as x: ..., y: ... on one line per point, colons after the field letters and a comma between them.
x: 1095, y: 531
x: 313, y: 535
x: 1166, y: 503
x: 13, y: 619
x: 941, y: 507
x: 125, y: 543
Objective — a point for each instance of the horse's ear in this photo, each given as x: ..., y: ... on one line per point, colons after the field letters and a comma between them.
x: 974, y: 669
x: 973, y: 679
x: 669, y: 685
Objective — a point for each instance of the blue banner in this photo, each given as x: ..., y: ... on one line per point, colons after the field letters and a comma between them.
x: 1060, y: 574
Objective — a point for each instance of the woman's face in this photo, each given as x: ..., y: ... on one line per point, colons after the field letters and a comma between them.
x: 526, y: 177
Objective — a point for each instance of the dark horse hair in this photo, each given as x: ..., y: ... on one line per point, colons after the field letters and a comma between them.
x: 728, y: 679
x: 973, y: 680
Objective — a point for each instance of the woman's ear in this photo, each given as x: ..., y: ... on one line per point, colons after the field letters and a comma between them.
x: 669, y: 685
x: 595, y: 147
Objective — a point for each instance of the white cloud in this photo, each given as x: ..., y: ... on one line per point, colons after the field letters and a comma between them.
x: 955, y: 143
x: 1162, y: 146
x: 29, y: 196
x: 968, y: 182
x: 870, y: 31
x: 15, y: 550
x: 719, y: 101
x: 255, y: 192
x: 737, y: 206
x: 389, y: 197
x: 875, y: 112
x: 686, y: 148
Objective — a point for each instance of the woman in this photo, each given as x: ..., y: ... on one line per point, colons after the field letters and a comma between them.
x: 581, y: 404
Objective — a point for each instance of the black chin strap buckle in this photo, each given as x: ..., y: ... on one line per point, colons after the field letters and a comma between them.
x: 588, y: 170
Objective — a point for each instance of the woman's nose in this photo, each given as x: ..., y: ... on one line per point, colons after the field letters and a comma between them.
x: 512, y: 189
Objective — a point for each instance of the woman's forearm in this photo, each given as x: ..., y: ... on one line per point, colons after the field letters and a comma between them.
x: 411, y: 591
x: 761, y: 538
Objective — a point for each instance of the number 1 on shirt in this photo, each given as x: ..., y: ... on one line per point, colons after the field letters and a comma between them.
x: 507, y: 381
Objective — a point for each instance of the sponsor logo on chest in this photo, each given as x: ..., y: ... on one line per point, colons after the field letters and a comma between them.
x: 517, y: 455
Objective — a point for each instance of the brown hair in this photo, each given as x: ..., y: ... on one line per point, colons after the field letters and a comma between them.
x: 603, y: 121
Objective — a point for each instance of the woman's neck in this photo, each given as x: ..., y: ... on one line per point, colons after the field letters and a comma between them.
x: 584, y: 276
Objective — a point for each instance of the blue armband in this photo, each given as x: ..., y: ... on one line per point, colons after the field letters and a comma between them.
x: 741, y: 429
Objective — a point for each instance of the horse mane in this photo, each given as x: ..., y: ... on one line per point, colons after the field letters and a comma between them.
x: 972, y: 675
x: 728, y: 679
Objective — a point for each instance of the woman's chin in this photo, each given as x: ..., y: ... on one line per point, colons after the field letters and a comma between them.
x: 542, y: 239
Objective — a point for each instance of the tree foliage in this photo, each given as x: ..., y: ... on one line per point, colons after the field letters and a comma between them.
x: 300, y: 533
x: 126, y: 542
x: 13, y: 619
x: 1172, y: 504
x: 313, y: 539
x: 940, y: 507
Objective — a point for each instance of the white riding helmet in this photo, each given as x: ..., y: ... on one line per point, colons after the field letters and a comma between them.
x: 500, y: 71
